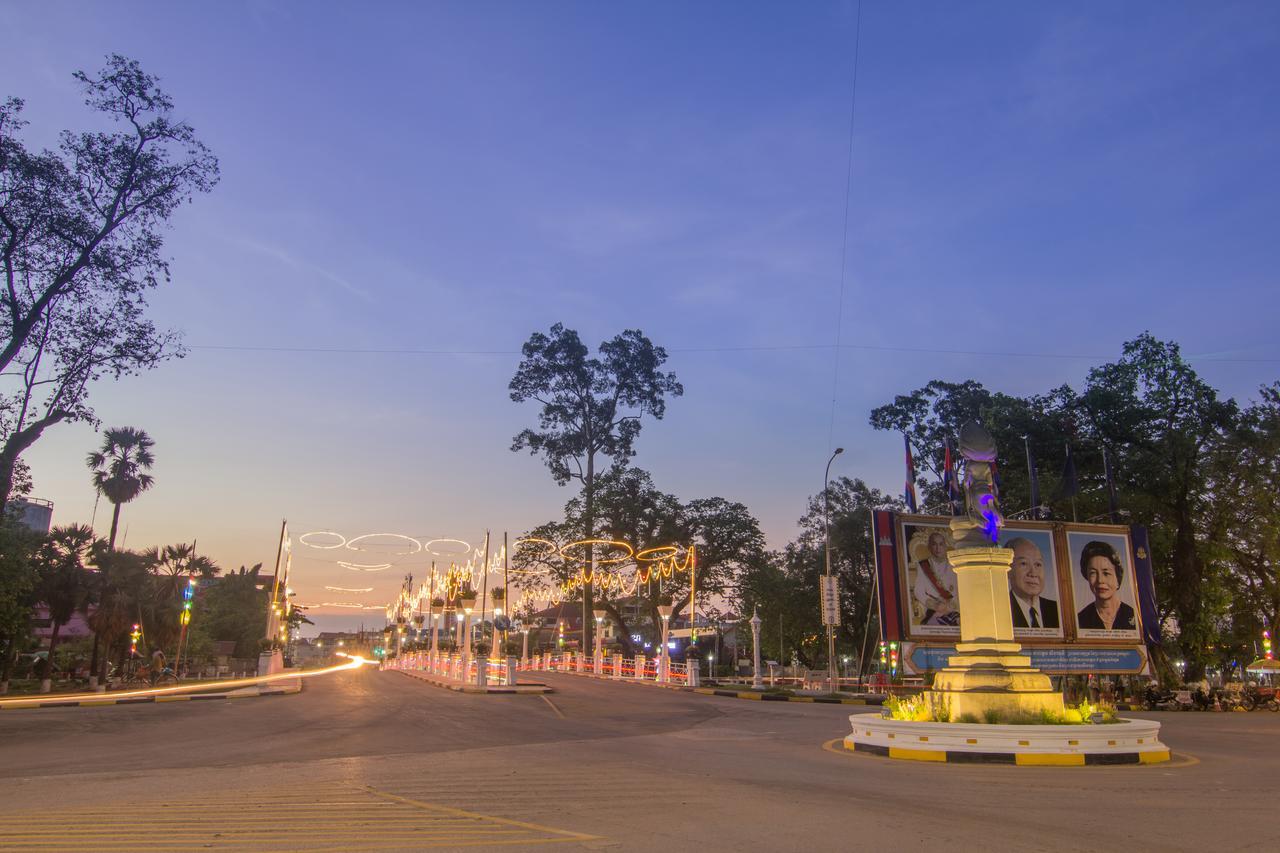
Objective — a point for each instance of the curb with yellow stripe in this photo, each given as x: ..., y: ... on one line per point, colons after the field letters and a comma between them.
x: 782, y: 697
x: 1039, y: 759
x: 102, y: 701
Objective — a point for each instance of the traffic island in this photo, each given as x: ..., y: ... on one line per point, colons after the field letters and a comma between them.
x: 1122, y: 742
x: 1026, y: 720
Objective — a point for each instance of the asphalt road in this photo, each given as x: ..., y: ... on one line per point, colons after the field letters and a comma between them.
x: 367, y: 760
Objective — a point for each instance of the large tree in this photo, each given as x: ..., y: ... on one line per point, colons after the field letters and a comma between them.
x: 591, y: 408
x: 81, y: 246
x: 18, y: 580
x: 630, y: 508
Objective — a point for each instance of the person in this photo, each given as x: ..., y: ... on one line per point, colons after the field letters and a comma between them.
x: 157, y: 662
x: 1026, y: 583
x: 936, y: 587
x: 1100, y: 566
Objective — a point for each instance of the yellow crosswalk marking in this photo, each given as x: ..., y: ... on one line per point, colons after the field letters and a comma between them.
x: 329, y: 819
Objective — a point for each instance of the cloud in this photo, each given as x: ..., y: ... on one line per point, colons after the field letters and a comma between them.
x: 287, y: 259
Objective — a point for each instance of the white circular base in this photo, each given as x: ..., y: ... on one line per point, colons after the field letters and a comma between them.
x: 1125, y: 742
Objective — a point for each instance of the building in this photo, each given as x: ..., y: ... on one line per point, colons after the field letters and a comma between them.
x: 35, y: 513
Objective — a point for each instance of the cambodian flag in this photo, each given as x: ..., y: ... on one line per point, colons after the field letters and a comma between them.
x: 910, y: 493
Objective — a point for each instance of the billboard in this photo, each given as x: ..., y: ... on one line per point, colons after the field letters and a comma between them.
x: 1075, y: 596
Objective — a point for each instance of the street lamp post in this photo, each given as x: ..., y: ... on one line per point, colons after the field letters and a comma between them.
x: 826, y: 536
x: 756, y: 681
x: 468, y: 604
x: 664, y: 662
x: 598, y: 656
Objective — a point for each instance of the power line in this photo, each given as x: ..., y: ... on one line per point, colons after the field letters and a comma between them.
x: 844, y: 234
x: 724, y: 349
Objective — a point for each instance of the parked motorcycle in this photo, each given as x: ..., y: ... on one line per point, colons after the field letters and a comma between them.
x: 1159, y: 699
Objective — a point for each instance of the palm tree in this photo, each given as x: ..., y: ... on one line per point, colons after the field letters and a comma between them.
x: 120, y: 469
x: 182, y: 560
x: 120, y: 475
x: 125, y: 585
x: 64, y: 582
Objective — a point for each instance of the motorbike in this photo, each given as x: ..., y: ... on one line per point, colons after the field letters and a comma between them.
x: 1230, y: 700
x: 1159, y: 699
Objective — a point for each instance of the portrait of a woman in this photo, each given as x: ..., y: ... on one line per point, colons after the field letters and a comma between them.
x: 1100, y: 566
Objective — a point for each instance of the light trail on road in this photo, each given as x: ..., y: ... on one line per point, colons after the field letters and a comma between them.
x: 355, y: 662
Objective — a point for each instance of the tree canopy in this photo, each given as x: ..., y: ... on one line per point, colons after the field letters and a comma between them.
x: 81, y: 245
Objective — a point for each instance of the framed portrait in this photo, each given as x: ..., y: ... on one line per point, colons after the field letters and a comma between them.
x: 931, y: 596
x: 1035, y: 600
x: 1102, y: 578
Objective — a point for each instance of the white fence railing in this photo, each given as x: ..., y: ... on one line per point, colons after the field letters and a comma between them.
x: 617, y: 667
x: 454, y: 666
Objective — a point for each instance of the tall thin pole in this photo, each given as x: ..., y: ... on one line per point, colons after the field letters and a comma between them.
x: 484, y: 587
x: 826, y: 535
x: 275, y: 584
x: 506, y: 590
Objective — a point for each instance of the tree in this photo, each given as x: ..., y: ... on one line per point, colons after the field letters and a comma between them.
x: 182, y: 560
x: 787, y: 585
x: 17, y: 585
x: 234, y: 608
x: 1163, y: 424
x: 591, y: 407
x: 631, y: 509
x: 123, y: 589
x: 120, y: 470
x: 1246, y: 496
x: 64, y: 584
x: 80, y: 245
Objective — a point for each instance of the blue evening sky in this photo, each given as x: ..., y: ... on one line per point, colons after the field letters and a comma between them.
x: 1046, y: 179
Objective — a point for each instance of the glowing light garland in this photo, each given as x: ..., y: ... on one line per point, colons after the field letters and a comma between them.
x: 600, y: 561
x: 417, y: 546
x: 303, y: 540
x: 466, y: 547
x: 364, y: 567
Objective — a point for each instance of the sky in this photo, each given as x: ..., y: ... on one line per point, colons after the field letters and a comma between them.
x: 1044, y: 181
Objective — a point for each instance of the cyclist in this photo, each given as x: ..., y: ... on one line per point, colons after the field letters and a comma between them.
x: 157, y: 664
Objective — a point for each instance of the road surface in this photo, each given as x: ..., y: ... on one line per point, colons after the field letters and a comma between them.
x: 369, y: 760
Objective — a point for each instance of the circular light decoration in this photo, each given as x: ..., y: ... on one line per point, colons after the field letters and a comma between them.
x: 416, y: 545
x: 364, y: 567
x: 303, y: 540
x: 653, y: 555
x: 601, y: 561
x: 466, y: 548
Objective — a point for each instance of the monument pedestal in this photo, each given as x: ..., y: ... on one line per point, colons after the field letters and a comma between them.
x: 989, y: 671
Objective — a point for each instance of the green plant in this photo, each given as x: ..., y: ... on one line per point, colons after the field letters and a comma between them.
x: 991, y: 716
x: 968, y: 718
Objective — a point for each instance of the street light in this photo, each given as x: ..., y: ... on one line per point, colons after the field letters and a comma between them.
x: 598, y: 657
x: 756, y: 622
x: 664, y: 663
x: 826, y: 536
